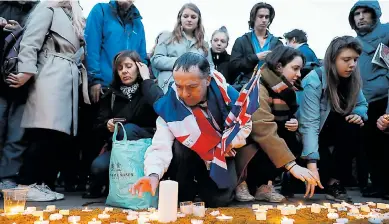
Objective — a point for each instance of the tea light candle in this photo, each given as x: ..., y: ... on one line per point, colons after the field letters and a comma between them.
x: 41, y: 221
x: 132, y: 217
x: 262, y: 210
x: 37, y: 213
x: 255, y: 206
x: 315, y: 209
x: 180, y: 215
x: 50, y: 208
x: 186, y: 207
x: 103, y: 216
x: 260, y: 216
x: 196, y: 221
x: 64, y: 212
x: 55, y: 217
x: 108, y: 209
x: 86, y: 209
x: 332, y: 216
x: 143, y: 220
x: 215, y: 213
x: 365, y: 208
x: 382, y: 206
x: 327, y: 205
x: 336, y: 205
x: 375, y: 220
x: 331, y: 210
x: 354, y: 210
x: 342, y: 209
x: 152, y: 209
x: 31, y: 209
x: 292, y: 209
x: 285, y: 211
x: 153, y: 216
x: 199, y: 209
x: 94, y: 221
x: 285, y: 220
x: 343, y: 220
x: 224, y: 218
x: 74, y: 218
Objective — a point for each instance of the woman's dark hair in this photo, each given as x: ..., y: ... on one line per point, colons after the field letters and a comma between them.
x: 118, y: 60
x: 282, y: 55
x: 299, y: 35
x: 336, y: 46
x: 254, y: 10
x: 189, y: 60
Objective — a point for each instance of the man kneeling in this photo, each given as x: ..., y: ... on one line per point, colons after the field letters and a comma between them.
x: 190, y: 127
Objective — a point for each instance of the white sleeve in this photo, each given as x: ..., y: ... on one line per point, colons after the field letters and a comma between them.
x: 159, y: 155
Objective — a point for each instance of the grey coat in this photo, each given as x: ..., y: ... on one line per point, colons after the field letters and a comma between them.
x: 166, y: 53
x: 53, y: 97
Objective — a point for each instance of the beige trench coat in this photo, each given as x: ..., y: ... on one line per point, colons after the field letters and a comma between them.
x: 53, y: 97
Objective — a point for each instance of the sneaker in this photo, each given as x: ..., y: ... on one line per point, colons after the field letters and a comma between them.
x: 35, y: 193
x: 7, y: 184
x: 268, y: 193
x: 242, y: 193
x: 45, y: 188
x: 337, y: 192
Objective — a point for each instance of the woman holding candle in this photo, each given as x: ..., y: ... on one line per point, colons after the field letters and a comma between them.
x: 129, y: 100
x: 275, y: 126
x: 187, y: 36
x: 332, y: 110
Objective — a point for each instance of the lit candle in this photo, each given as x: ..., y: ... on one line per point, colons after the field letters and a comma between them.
x: 260, y: 210
x: 332, y: 216
x: 365, y: 208
x: 143, y: 220
x: 94, y: 221
x: 108, y: 209
x: 186, y: 207
x: 103, y: 216
x: 255, y: 206
x: 167, y: 201
x: 382, y: 206
x: 285, y: 211
x: 292, y: 209
x: 342, y: 209
x: 64, y: 212
x: 224, y: 218
x: 260, y: 216
x: 315, y: 208
x: 74, y: 218
x: 180, y: 215
x: 195, y: 221
x: 50, y: 208
x: 285, y: 220
x: 336, y: 205
x: 132, y: 217
x: 41, y: 221
x: 301, y: 206
x: 31, y: 209
x: 153, y: 216
x: 215, y: 213
x: 37, y: 213
x: 354, y: 210
x: 17, y: 209
x: 86, y: 209
x: 342, y: 220
x: 55, y: 217
x: 199, y: 209
x: 327, y: 205
x: 375, y: 220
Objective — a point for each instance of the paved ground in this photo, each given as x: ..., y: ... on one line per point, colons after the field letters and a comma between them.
x: 74, y: 200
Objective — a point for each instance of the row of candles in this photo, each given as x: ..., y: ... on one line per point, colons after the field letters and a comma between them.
x: 373, y: 217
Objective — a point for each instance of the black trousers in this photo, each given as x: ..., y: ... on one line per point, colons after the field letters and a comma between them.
x: 49, y: 152
x: 376, y: 146
x: 189, y: 170
x: 339, y: 142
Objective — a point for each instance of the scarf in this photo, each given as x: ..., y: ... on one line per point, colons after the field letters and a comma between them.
x: 282, y: 94
x: 129, y: 90
x: 191, y: 127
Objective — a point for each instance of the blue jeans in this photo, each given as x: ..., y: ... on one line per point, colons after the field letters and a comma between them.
x: 100, y: 165
x: 11, y: 144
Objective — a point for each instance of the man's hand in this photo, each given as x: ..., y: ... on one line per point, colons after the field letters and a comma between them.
x: 3, y: 22
x: 355, y: 119
x: 383, y: 122
x: 292, y: 125
x: 306, y: 176
x: 310, y: 188
x: 16, y: 81
x: 95, y: 92
x: 145, y: 184
x: 111, y: 125
x: 12, y: 25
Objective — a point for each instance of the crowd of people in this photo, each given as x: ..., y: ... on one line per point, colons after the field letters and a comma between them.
x: 75, y: 78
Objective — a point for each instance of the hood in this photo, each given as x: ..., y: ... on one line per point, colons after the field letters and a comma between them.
x: 372, y: 4
x: 133, y: 13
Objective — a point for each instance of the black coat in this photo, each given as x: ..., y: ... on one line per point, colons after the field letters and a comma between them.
x: 221, y: 62
x: 138, y: 110
x: 243, y: 57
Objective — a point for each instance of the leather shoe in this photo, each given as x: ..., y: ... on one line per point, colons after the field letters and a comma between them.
x: 371, y: 192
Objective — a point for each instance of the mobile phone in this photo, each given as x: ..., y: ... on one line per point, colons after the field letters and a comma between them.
x: 115, y: 120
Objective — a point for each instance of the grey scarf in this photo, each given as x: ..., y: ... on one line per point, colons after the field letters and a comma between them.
x: 129, y: 90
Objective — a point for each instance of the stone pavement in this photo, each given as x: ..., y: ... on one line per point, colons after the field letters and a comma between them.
x: 74, y: 200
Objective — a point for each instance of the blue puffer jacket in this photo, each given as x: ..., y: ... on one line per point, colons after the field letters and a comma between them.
x: 106, y: 35
x: 375, y: 78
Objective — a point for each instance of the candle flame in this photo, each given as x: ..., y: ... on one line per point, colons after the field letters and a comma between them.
x: 41, y: 218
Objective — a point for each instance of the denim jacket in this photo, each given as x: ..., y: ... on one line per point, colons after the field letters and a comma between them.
x: 314, y: 110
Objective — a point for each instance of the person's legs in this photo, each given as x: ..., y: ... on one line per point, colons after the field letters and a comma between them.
x: 99, y: 175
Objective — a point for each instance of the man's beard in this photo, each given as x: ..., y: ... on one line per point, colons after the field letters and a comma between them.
x: 365, y: 29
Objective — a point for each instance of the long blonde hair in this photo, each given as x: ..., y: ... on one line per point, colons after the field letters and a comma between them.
x: 198, y: 32
x: 78, y: 20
